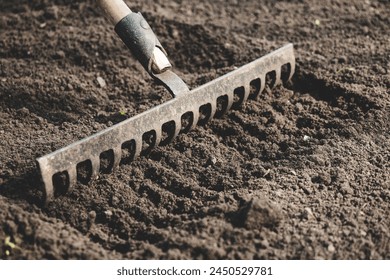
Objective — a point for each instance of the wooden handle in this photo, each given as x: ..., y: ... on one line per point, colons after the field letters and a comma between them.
x: 115, y: 10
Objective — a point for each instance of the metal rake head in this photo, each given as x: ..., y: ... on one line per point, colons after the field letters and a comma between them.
x: 122, y: 143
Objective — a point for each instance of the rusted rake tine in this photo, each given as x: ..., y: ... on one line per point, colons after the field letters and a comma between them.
x: 65, y: 160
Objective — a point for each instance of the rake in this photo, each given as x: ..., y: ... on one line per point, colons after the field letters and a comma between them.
x: 127, y: 140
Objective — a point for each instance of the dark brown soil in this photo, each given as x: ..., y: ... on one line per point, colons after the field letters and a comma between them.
x: 302, y: 172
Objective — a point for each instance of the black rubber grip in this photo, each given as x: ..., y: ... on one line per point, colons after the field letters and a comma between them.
x: 136, y: 33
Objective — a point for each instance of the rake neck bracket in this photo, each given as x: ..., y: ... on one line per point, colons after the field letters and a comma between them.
x: 172, y: 82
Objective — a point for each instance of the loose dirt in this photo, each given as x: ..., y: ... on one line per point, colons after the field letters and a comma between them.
x: 303, y: 172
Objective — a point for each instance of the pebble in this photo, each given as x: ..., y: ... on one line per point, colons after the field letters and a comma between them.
x: 92, y: 215
x: 101, y: 82
x: 108, y: 213
x: 115, y: 200
x: 307, y: 213
x: 331, y: 248
x: 175, y: 34
x: 212, y: 160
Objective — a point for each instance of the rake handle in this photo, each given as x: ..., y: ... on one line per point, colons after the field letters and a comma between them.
x: 115, y: 10
x: 137, y: 35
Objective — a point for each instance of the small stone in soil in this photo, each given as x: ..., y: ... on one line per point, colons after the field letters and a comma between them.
x: 101, y: 82
x: 92, y: 215
x: 108, y: 213
x: 212, y: 160
x: 308, y: 214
